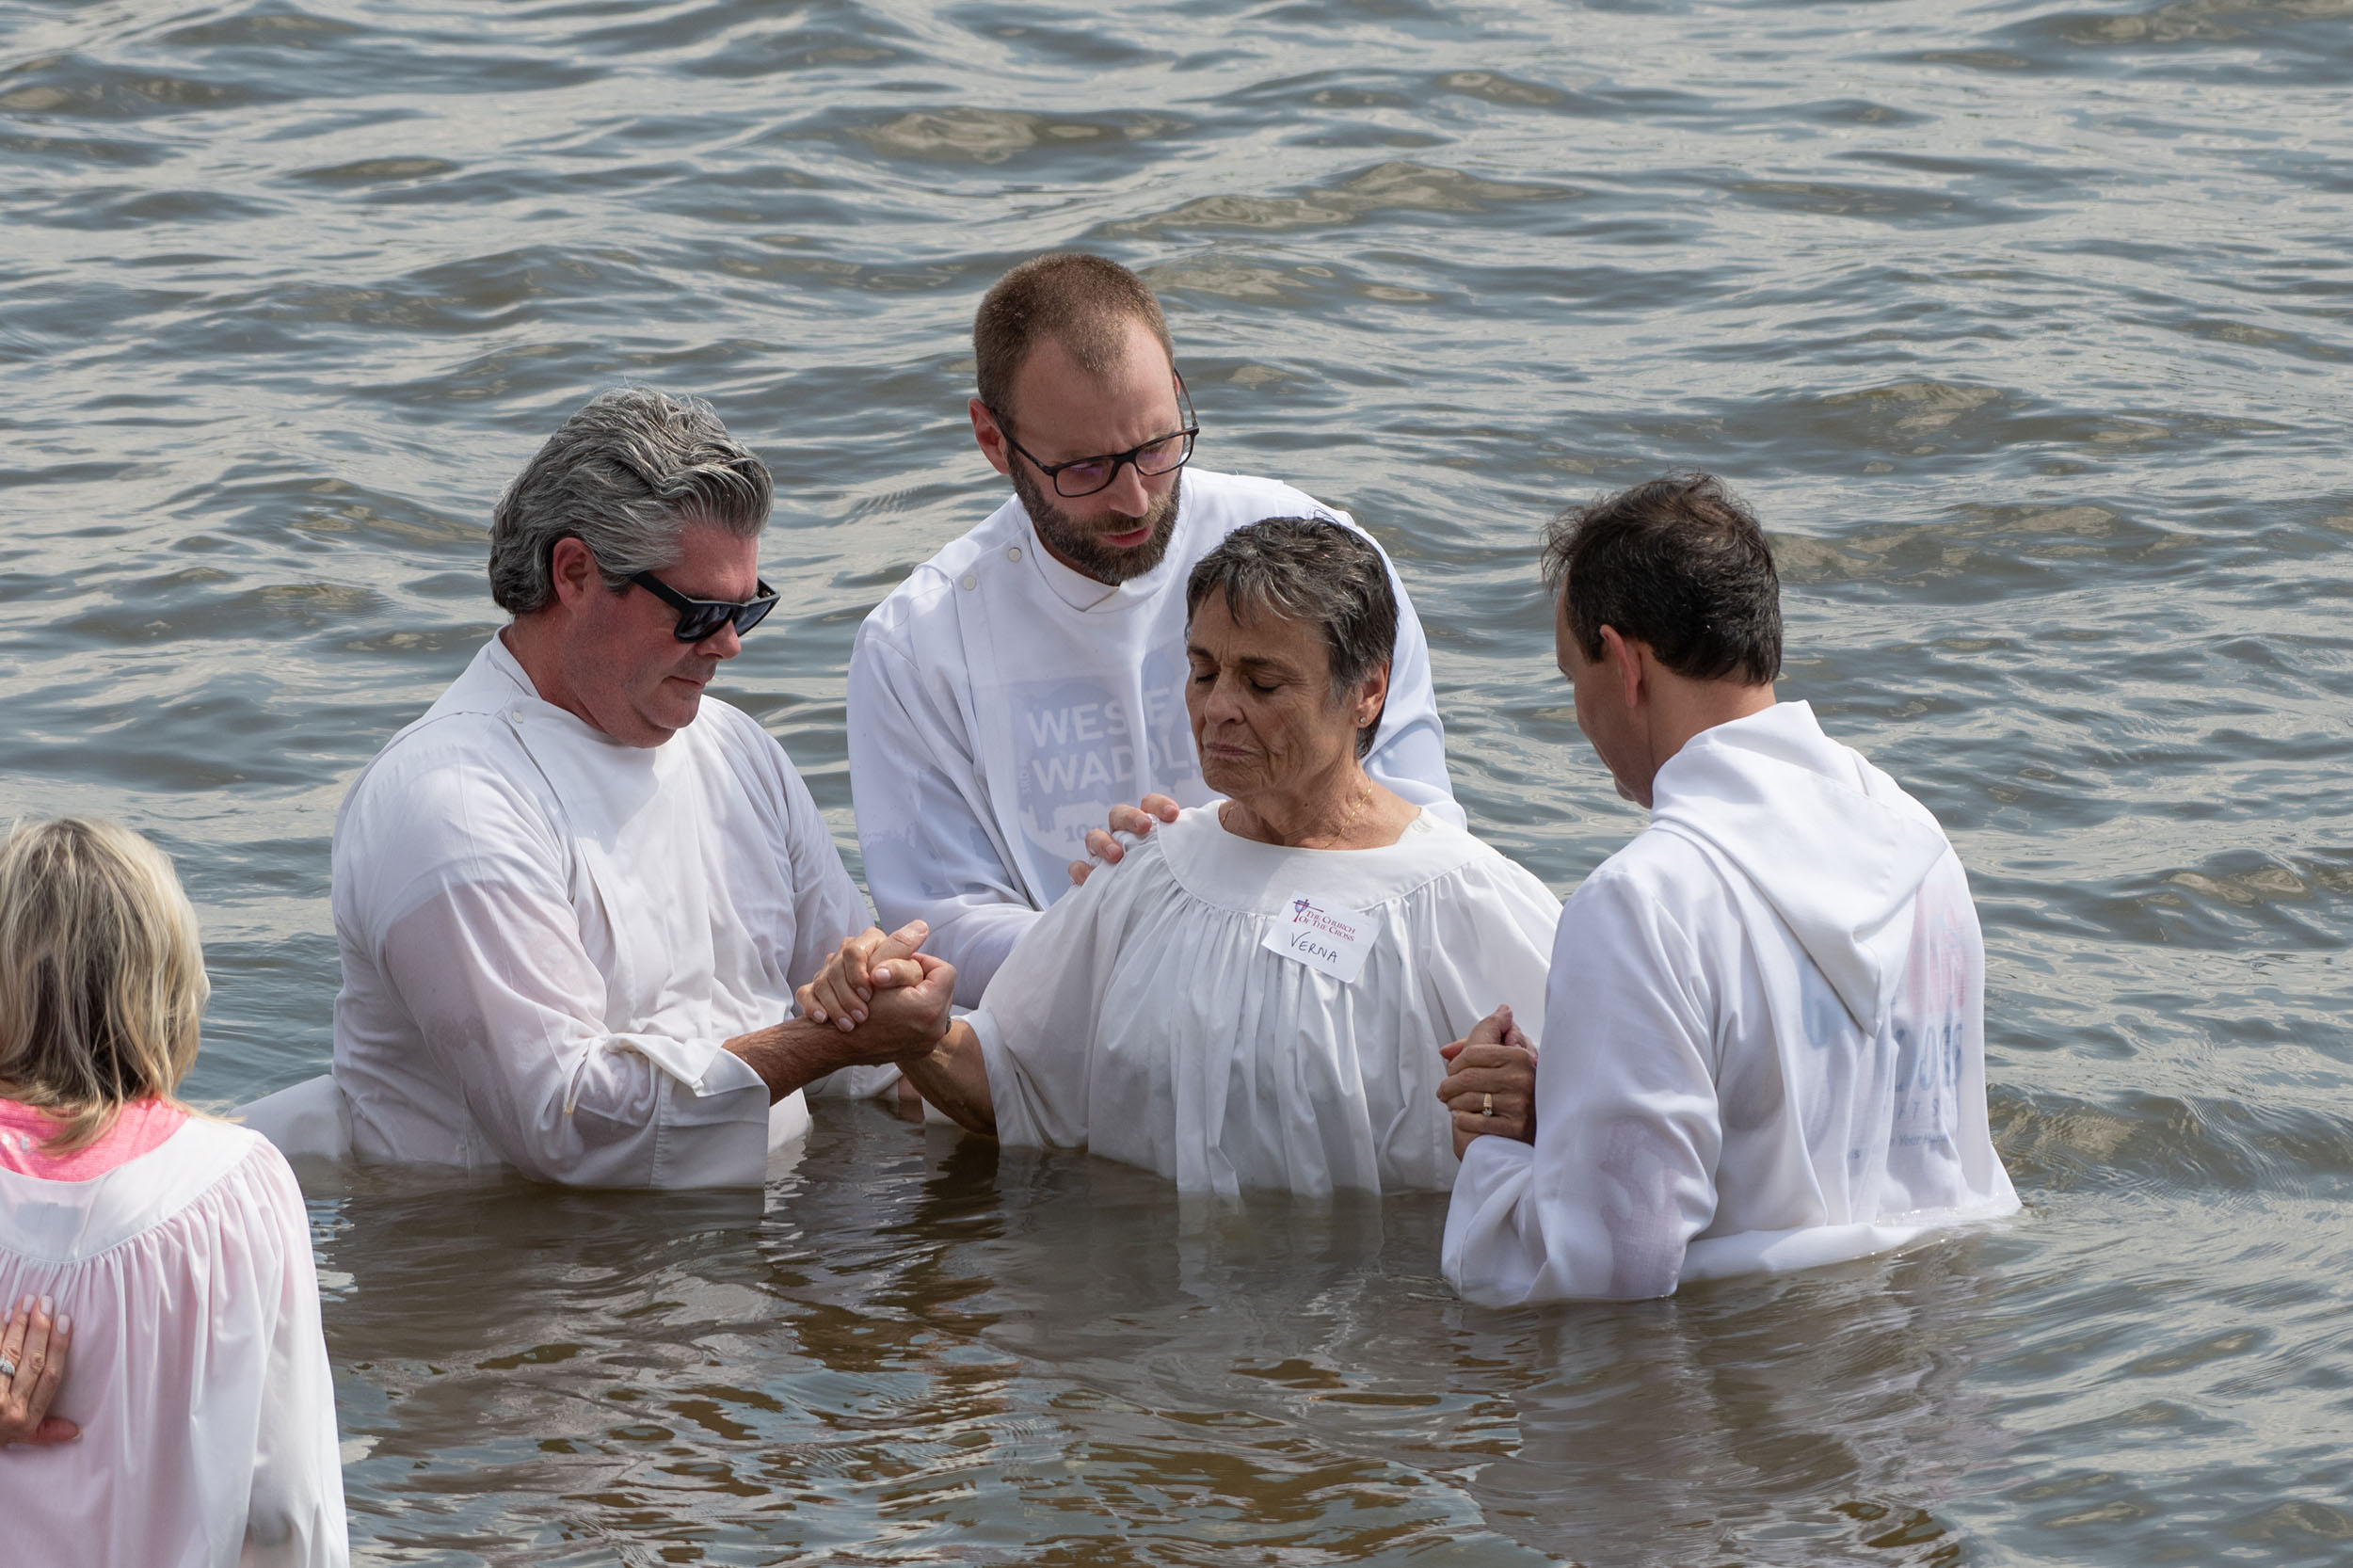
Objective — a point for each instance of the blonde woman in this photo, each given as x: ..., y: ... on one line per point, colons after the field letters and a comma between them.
x: 173, y: 1248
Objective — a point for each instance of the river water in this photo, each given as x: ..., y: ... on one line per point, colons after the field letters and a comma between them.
x: 2025, y: 328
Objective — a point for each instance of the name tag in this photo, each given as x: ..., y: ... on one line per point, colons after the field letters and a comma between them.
x: 1334, y: 941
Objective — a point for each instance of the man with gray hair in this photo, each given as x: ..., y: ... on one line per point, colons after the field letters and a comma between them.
x: 573, y: 899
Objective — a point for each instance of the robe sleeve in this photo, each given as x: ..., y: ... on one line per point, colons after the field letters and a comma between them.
x: 826, y: 907
x: 930, y: 850
x: 487, y: 957
x: 1622, y: 1176
x: 1408, y: 754
x: 294, y: 1515
x: 1037, y: 1024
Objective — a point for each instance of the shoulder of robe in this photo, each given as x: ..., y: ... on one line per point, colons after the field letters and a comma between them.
x: 442, y: 771
x: 1494, y: 862
x: 1141, y: 870
x: 1664, y: 874
x: 930, y: 588
x: 1241, y: 498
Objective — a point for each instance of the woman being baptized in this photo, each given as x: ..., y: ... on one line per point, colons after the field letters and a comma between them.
x: 1255, y: 996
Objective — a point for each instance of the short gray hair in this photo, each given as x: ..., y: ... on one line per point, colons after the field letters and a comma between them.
x: 623, y: 476
x: 1312, y: 569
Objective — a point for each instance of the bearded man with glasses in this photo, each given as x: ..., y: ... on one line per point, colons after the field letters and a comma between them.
x: 573, y: 898
x: 1030, y: 677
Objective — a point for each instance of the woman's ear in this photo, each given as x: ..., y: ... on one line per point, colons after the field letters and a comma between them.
x: 1372, y: 694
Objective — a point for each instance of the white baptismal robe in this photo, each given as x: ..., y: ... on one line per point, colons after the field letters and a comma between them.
x: 1142, y: 1018
x: 1001, y: 704
x: 548, y: 935
x: 1764, y: 1043
x: 198, y: 1375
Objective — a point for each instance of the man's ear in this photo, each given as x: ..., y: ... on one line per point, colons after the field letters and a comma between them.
x: 1629, y: 668
x: 990, y: 437
x: 572, y: 570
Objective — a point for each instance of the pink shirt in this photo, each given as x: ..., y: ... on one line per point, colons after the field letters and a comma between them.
x: 140, y: 1125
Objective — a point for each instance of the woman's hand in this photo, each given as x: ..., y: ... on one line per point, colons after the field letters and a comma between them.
x: 32, y: 1355
x: 1492, y: 1089
x: 843, y: 989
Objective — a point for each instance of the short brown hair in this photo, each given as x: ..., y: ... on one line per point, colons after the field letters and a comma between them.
x: 102, y: 977
x: 1079, y: 300
x: 1680, y: 564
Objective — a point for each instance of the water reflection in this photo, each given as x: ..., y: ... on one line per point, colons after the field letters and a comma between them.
x: 1828, y: 1417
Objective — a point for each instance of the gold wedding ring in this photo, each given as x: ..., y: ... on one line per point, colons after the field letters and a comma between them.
x: 1487, y: 1105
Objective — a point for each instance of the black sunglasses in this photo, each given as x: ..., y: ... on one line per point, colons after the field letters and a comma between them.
x: 699, y: 618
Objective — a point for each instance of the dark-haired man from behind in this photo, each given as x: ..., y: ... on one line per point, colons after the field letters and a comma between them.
x: 1765, y: 1026
x: 1030, y: 675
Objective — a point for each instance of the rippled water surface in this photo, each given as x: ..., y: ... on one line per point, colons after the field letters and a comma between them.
x: 2026, y: 326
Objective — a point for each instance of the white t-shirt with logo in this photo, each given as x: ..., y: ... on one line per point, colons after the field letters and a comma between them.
x: 1000, y: 705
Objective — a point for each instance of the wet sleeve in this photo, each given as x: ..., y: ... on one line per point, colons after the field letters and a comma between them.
x: 1622, y: 1174
x: 930, y: 850
x: 827, y: 906
x: 487, y: 957
x: 295, y: 1512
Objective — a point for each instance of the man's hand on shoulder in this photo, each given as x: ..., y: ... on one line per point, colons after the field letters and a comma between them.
x: 1134, y: 821
x: 1491, y: 1090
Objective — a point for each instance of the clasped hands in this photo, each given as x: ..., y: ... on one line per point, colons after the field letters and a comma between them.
x: 1492, y: 1089
x: 887, y: 978
x: 888, y: 985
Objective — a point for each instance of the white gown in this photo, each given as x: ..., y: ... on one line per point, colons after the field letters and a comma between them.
x: 1765, y: 1039
x: 1000, y: 705
x: 1142, y: 1017
x: 198, y: 1373
x: 547, y: 937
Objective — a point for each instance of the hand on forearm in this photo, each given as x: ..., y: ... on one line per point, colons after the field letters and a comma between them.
x: 954, y: 1077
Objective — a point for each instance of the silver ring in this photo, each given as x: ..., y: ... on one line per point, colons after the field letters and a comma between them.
x: 7, y: 1368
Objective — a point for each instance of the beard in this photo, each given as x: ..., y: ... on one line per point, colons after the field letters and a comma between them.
x: 1080, y: 544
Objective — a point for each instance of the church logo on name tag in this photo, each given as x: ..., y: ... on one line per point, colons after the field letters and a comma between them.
x: 1332, y: 940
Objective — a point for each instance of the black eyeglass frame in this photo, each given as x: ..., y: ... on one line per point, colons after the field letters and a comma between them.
x: 1191, y: 431
x: 701, y: 618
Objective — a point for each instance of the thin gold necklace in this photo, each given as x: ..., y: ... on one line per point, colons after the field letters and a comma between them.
x: 1364, y: 798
